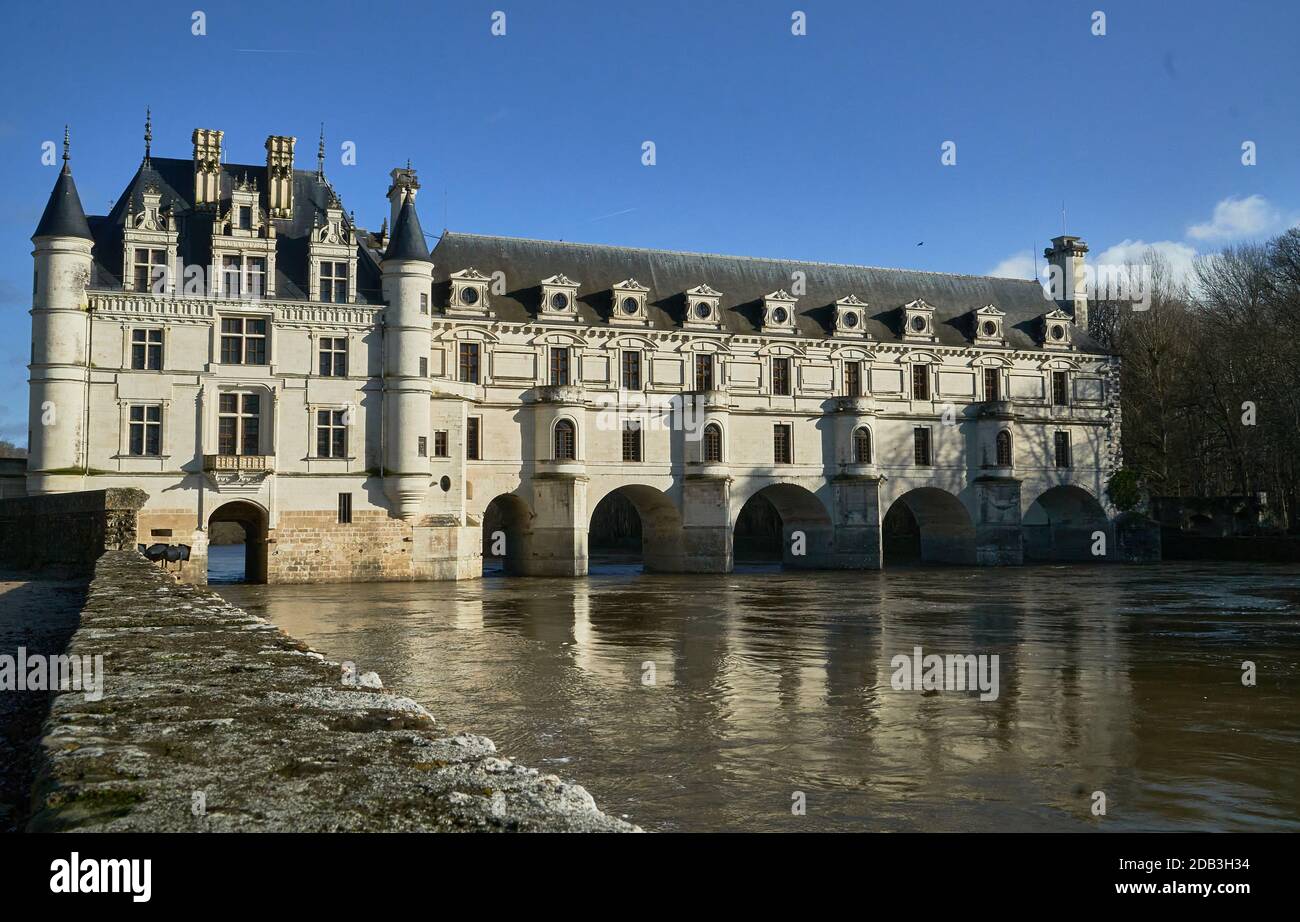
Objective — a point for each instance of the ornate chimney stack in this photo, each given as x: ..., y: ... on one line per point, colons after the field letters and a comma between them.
x: 279, y: 175
x: 1068, y: 279
x: 207, y: 167
x: 404, y: 187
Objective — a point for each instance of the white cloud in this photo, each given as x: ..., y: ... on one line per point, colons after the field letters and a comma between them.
x: 1018, y: 266
x: 1239, y: 218
x: 1180, y: 257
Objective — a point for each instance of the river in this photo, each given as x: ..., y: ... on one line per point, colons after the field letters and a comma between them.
x: 772, y: 690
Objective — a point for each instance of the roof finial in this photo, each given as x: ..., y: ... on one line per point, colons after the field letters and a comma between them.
x: 148, y: 133
x: 408, y: 163
x: 67, y: 143
x: 320, y: 154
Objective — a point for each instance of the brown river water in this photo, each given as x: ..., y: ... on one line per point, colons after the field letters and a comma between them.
x: 771, y: 687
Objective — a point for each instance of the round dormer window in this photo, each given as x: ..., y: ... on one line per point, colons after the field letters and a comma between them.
x: 631, y: 305
x: 780, y: 315
x: 469, y: 295
x: 990, y: 328
x: 918, y: 324
x: 703, y: 310
x: 560, y: 301
x: 850, y: 320
x: 1058, y: 332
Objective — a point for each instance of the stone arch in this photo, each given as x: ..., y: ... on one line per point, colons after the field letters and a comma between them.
x: 928, y: 525
x: 507, y: 535
x: 805, y: 528
x: 254, y: 519
x: 1060, y: 524
x: 657, y: 533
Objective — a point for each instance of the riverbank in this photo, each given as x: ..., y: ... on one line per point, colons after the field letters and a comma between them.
x: 214, y: 720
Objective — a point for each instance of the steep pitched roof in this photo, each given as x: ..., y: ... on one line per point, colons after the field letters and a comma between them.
x: 63, y: 215
x: 743, y: 281
x: 408, y: 238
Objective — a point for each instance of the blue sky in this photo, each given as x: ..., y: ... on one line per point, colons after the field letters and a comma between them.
x: 823, y: 146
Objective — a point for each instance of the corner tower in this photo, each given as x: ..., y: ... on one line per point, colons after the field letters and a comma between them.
x: 60, y: 339
x: 407, y: 283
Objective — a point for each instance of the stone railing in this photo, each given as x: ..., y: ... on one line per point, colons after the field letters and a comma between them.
x: 209, y: 719
x: 238, y: 463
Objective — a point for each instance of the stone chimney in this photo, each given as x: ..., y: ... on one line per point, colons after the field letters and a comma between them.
x: 207, y: 167
x: 279, y: 175
x: 1068, y: 279
x: 404, y: 186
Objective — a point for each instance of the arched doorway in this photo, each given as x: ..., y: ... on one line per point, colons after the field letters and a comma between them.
x: 635, y: 524
x: 1061, y: 525
x: 928, y: 525
x: 783, y: 523
x: 507, y: 535
x: 237, y: 543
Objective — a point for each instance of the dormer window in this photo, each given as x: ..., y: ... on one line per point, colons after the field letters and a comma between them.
x: 629, y: 303
x: 1056, y: 332
x: 918, y: 321
x: 149, y: 246
x: 778, y: 312
x: 703, y: 308
x: 334, y: 281
x: 988, y: 326
x: 333, y: 256
x: 245, y: 217
x: 559, y: 298
x: 850, y: 317
x: 469, y: 293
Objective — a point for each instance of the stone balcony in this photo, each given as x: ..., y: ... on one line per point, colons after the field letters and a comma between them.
x: 855, y: 406
x: 251, y: 463
x: 562, y: 394
x: 997, y: 409
x: 238, y: 474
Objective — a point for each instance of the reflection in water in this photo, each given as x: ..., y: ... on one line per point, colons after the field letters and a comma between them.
x: 1125, y: 680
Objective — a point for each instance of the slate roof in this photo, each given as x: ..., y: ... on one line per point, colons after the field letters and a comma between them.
x: 63, y: 215
x: 407, y: 241
x: 743, y: 282
x: 174, y: 179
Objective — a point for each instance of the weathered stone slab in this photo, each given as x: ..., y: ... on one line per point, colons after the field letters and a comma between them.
x: 202, y: 702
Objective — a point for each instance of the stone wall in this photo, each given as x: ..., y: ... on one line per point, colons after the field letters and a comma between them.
x: 67, y: 530
x: 214, y: 720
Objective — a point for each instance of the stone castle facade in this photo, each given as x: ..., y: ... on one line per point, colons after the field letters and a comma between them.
x: 230, y: 341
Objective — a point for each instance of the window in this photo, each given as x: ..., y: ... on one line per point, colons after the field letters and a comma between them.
x: 345, y: 508
x: 559, y: 365
x: 150, y: 268
x: 566, y: 441
x: 468, y: 362
x: 232, y: 270
x: 631, y: 441
x: 243, y: 341
x: 704, y: 372
x: 1063, y: 449
x: 333, y: 281
x: 862, y: 445
x: 239, y: 424
x: 147, y: 349
x: 921, y: 446
x: 331, y: 434
x: 245, y: 217
x: 472, y: 452
x: 422, y: 446
x: 852, y: 379
x: 1060, y: 388
x: 712, y: 444
x: 992, y: 384
x: 146, y: 431
x: 1003, y: 446
x: 424, y: 303
x: 631, y: 371
x: 440, y: 449
x: 781, y: 377
x: 921, y: 382
x: 781, y: 453
x: 334, y: 356
x: 424, y: 366
x: 255, y: 276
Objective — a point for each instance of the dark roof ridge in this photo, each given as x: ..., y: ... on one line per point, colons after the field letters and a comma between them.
x: 764, y: 259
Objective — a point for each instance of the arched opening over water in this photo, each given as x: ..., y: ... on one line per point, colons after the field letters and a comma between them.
x: 507, y: 535
x: 237, y: 543
x: 927, y: 525
x: 635, y: 524
x: 1061, y: 525
x: 782, y: 523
